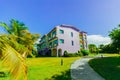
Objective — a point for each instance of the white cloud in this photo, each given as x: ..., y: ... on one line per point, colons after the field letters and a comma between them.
x: 98, y: 39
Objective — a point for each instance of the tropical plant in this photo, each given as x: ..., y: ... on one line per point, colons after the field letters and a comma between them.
x: 115, y: 37
x: 18, y: 33
x: 15, y: 46
x: 92, y: 48
x: 13, y: 61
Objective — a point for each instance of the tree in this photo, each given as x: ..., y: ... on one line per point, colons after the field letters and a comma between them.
x: 115, y: 37
x: 101, y: 46
x: 15, y: 46
x: 109, y: 48
x: 15, y: 27
x: 13, y: 61
x: 92, y: 48
x: 18, y: 32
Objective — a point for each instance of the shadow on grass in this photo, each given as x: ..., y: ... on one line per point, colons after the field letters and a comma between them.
x: 108, y: 67
x: 64, y: 76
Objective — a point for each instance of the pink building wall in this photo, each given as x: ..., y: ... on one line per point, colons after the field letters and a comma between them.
x: 67, y: 45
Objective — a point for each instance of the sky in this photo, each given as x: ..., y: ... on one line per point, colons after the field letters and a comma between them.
x: 96, y: 17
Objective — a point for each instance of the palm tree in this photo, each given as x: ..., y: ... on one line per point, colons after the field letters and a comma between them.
x: 14, y: 28
x: 19, y: 33
x: 13, y: 61
x: 15, y: 46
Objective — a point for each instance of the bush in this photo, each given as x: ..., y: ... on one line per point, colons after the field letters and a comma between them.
x: 70, y: 55
x: 85, y: 52
x: 66, y: 54
x: 79, y: 53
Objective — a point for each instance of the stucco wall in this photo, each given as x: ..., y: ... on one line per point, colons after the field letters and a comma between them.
x: 68, y: 40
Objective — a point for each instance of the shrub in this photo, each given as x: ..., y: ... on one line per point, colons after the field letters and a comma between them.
x: 79, y: 53
x: 85, y: 52
x: 66, y: 54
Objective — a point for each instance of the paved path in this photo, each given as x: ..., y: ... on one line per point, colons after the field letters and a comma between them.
x: 80, y: 70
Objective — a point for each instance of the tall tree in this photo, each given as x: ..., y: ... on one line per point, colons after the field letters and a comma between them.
x: 18, y: 33
x: 16, y: 45
x: 109, y: 48
x: 92, y: 48
x: 115, y: 37
x: 15, y: 27
x: 13, y: 61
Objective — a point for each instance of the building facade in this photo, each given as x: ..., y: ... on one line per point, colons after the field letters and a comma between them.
x: 63, y: 38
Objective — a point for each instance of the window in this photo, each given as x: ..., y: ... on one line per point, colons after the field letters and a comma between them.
x: 61, y: 41
x: 61, y: 31
x: 72, y: 43
x: 71, y: 34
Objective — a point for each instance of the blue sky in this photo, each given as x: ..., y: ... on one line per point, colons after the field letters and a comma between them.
x: 96, y: 17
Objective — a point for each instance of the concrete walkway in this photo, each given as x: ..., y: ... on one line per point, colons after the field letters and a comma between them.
x: 80, y: 70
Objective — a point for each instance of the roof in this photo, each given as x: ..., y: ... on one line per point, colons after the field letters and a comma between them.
x: 83, y: 32
x: 69, y: 26
x: 65, y: 26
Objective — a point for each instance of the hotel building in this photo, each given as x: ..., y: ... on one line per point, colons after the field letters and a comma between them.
x: 63, y: 38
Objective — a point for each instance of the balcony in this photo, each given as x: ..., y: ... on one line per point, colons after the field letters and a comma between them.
x: 53, y: 44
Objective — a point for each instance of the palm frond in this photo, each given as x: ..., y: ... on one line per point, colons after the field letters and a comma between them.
x: 14, y: 62
x: 6, y: 27
x: 15, y: 47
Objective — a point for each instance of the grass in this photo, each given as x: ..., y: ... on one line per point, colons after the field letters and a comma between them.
x: 110, y: 55
x: 108, y: 67
x: 92, y: 54
x: 103, y: 54
x: 48, y: 68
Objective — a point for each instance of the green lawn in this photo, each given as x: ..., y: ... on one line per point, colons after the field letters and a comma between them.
x: 92, y: 54
x: 108, y: 67
x: 110, y: 55
x: 104, y: 54
x: 48, y: 68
